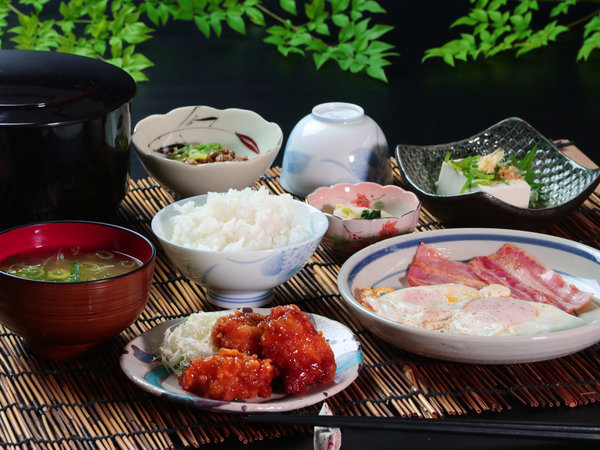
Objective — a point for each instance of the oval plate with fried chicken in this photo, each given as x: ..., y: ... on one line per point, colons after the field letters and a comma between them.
x: 141, y: 365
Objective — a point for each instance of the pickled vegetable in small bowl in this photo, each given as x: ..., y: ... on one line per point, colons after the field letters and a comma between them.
x: 253, y: 141
x: 196, y: 154
x: 361, y: 214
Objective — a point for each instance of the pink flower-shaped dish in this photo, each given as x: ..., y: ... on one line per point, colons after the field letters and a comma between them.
x: 348, y: 235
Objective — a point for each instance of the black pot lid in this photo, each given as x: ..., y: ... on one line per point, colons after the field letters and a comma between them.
x: 42, y: 88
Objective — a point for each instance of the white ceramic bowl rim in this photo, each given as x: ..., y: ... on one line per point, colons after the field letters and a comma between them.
x: 147, y: 122
x: 338, y: 112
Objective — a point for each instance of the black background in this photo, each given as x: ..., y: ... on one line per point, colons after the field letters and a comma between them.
x: 423, y: 103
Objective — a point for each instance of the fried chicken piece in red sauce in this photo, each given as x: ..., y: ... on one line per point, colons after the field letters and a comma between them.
x: 301, y: 353
x: 239, y: 331
x: 229, y: 375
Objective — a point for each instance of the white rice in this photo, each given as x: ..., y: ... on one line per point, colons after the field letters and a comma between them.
x: 238, y: 221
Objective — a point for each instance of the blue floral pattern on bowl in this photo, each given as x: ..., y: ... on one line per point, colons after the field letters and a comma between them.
x: 242, y: 278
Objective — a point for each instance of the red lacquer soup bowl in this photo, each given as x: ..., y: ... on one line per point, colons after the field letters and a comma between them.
x: 64, y: 319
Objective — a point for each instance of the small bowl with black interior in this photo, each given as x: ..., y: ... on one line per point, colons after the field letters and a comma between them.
x: 566, y: 184
x: 254, y: 140
x: 350, y: 209
x: 67, y: 286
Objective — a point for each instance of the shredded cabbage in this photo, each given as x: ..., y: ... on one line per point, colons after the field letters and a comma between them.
x: 189, y: 340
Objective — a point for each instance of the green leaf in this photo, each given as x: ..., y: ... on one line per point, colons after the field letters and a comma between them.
x: 275, y: 40
x: 372, y: 7
x: 378, y: 30
x: 525, y: 6
x: 255, y: 15
x: 463, y: 21
x: 322, y: 28
x: 215, y: 23
x: 314, y: 8
x: 320, y: 59
x: 152, y: 14
x: 337, y: 6
x: 340, y: 20
x: 495, y: 17
x: 300, y: 38
x: 356, y: 66
x: 236, y: 22
x: 517, y: 20
x: 135, y: 33
x: 277, y: 30
x: 361, y: 27
x: 344, y: 63
x: 496, y: 4
x: 164, y: 13
x: 562, y: 8
x: 116, y: 47
x: 585, y: 50
x: 137, y: 62
x: 590, y: 44
x: 592, y: 26
x: 346, y: 33
x: 378, y: 47
x: 203, y: 24
x: 110, y: 29
x: 479, y: 15
x: 448, y: 59
x: 485, y: 36
x: 288, y: 6
x: 317, y: 45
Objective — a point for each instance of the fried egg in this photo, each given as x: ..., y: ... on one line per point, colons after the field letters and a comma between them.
x: 460, y: 309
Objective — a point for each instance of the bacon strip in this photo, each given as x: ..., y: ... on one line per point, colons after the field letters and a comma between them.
x: 528, y: 279
x: 430, y: 266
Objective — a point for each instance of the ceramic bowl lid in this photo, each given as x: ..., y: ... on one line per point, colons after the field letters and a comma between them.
x: 39, y: 88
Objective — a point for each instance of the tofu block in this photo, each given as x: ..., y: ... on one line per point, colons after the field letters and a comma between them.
x: 516, y: 192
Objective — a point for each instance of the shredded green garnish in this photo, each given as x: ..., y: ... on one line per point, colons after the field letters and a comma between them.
x: 470, y: 169
x: 74, y: 275
x: 195, y: 151
x: 370, y: 214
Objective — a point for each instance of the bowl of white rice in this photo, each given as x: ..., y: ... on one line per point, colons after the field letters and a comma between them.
x: 239, y: 244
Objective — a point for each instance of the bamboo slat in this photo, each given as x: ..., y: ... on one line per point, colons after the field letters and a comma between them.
x: 89, y: 403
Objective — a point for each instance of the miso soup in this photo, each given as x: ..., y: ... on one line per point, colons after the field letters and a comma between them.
x: 69, y: 264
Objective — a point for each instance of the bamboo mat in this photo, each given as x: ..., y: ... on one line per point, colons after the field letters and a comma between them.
x: 89, y: 403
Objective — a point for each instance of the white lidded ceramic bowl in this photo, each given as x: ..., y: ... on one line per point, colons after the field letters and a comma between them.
x: 336, y: 143
x: 235, y: 279
x: 243, y: 131
x: 347, y: 236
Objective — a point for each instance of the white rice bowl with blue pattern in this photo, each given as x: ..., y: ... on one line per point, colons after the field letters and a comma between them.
x: 239, y: 245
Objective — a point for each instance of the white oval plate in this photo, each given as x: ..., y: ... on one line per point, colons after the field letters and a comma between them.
x: 140, y: 366
x: 384, y: 265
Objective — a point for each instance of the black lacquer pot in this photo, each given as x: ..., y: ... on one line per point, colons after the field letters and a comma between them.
x: 65, y: 129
